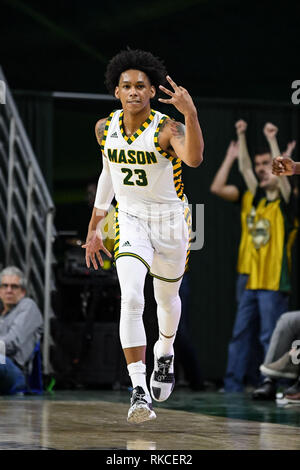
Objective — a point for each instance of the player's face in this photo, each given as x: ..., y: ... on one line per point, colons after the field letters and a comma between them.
x: 263, y: 170
x: 134, y: 91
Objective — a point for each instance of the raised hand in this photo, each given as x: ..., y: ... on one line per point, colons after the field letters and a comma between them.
x: 289, y: 149
x: 180, y: 97
x: 233, y: 150
x: 241, y: 126
x: 283, y: 166
x: 93, y: 246
x: 270, y: 130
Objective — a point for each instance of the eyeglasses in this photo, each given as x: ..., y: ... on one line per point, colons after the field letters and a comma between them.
x: 13, y: 286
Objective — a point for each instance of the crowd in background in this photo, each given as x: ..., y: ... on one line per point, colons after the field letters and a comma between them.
x: 261, y: 347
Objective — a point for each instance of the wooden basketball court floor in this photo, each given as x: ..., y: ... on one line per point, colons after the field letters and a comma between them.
x: 96, y: 419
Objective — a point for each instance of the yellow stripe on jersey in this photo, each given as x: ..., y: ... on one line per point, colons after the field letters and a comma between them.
x: 188, y: 219
x: 176, y: 162
x: 117, y: 232
x: 102, y: 145
x: 177, y: 165
x: 144, y: 126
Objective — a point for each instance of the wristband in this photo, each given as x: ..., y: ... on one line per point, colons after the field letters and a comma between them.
x: 294, y: 168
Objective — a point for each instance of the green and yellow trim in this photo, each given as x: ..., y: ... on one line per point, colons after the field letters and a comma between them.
x: 188, y: 219
x: 117, y: 253
x: 133, y: 255
x: 176, y: 162
x: 102, y: 145
x: 144, y: 126
x: 164, y: 278
x: 117, y: 232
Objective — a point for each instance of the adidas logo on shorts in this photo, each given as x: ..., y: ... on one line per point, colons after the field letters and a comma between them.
x: 114, y: 134
x: 126, y: 244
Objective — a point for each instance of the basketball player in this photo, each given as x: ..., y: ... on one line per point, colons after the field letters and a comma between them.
x: 142, y: 153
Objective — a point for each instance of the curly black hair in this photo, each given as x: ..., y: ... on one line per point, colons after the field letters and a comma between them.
x: 135, y: 59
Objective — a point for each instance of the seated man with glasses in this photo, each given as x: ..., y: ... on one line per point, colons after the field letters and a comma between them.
x: 21, y: 325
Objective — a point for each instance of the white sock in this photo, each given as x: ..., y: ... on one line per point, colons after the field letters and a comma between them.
x: 137, y: 373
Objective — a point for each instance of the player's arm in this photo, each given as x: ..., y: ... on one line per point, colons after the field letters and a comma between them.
x: 219, y: 185
x: 104, y: 195
x: 183, y: 141
x: 99, y: 129
x: 270, y: 132
x: 244, y: 160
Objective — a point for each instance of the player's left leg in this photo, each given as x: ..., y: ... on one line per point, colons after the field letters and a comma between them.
x: 168, y: 314
x: 171, y: 240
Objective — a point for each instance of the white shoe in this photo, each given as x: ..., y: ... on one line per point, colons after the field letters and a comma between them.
x: 162, y: 379
x: 140, y: 409
x: 283, y: 367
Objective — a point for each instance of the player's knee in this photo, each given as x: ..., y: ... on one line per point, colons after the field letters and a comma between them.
x: 167, y: 303
x: 132, y: 300
x: 132, y: 332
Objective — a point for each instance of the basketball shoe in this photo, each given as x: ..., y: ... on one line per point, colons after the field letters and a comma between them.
x: 140, y: 409
x: 162, y: 379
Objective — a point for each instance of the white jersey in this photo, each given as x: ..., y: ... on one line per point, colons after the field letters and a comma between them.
x: 146, y: 180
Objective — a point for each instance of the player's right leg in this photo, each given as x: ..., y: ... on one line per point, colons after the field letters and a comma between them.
x: 132, y: 273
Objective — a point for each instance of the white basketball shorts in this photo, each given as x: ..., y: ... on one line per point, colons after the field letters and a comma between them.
x: 163, y: 245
